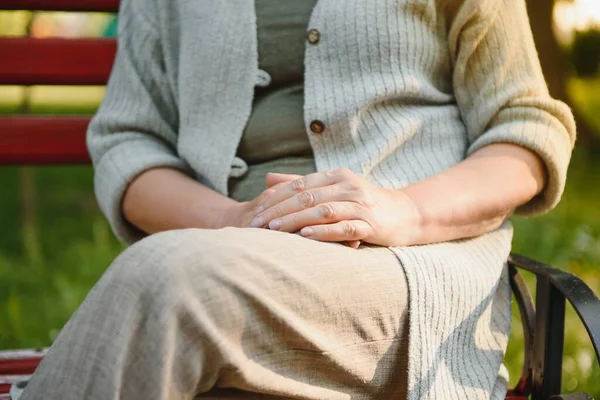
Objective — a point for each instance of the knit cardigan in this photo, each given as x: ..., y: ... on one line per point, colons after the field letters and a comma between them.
x: 405, y: 89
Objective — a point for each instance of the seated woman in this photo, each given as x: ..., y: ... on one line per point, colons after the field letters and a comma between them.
x: 318, y: 193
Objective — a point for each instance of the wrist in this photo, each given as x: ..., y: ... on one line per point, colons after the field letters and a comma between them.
x: 410, y: 221
x: 231, y: 215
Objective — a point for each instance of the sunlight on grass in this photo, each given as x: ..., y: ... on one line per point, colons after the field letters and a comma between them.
x: 62, y: 99
x: 52, y: 99
x: 11, y: 98
x: 586, y: 96
x: 14, y: 23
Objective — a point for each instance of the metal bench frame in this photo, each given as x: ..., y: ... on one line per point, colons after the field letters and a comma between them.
x: 32, y: 140
x: 544, y: 325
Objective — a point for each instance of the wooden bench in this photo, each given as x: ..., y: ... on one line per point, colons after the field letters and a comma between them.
x: 28, y: 140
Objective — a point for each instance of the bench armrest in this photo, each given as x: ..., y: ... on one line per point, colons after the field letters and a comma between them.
x: 544, y: 323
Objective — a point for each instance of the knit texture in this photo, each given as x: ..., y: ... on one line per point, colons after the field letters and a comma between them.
x: 406, y: 89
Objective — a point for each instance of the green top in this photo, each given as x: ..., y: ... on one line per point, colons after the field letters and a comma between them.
x: 275, y: 138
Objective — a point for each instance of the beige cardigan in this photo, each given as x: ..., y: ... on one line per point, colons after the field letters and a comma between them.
x: 404, y: 92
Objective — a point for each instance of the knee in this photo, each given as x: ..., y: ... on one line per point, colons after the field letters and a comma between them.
x: 168, y: 262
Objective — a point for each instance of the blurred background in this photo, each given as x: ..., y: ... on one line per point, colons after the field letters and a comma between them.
x: 54, y: 243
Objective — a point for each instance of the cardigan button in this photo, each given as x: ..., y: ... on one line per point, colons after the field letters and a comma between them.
x: 313, y: 36
x: 317, y: 126
x: 263, y: 79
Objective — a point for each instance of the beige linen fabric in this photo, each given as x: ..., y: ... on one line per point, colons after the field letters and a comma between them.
x: 181, y: 312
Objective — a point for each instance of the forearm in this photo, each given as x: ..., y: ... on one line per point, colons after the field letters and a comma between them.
x: 475, y: 196
x: 163, y: 199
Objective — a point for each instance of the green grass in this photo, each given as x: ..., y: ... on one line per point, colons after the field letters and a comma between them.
x: 48, y: 264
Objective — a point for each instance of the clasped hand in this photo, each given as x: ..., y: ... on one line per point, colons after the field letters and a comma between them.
x: 333, y: 206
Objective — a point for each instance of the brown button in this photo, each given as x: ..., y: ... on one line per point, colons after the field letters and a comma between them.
x: 317, y: 126
x: 313, y: 36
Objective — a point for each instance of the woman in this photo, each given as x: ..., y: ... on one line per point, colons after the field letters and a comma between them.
x: 407, y: 132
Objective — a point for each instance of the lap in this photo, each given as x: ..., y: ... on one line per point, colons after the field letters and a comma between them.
x: 304, y: 271
x: 233, y: 312
x: 281, y: 299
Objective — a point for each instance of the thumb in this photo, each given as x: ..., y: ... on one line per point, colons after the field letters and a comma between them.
x: 273, y: 178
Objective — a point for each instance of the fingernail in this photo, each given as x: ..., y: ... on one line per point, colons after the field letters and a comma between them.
x: 306, y: 232
x: 258, y: 210
x: 275, y: 224
x: 257, y: 222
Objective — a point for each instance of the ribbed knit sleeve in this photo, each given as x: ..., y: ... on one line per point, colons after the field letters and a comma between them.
x: 500, y: 89
x: 135, y: 128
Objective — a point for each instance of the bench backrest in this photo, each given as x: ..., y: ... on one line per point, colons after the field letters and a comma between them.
x: 26, y: 139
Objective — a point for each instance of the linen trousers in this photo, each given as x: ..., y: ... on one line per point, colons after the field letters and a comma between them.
x: 235, y: 313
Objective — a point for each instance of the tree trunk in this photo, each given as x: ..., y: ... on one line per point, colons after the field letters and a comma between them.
x: 554, y: 64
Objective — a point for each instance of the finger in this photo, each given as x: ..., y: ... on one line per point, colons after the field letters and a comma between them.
x: 311, y: 181
x: 325, y: 213
x: 268, y: 192
x: 355, y: 244
x: 348, y: 230
x: 260, y: 198
x: 273, y: 178
x: 252, y: 204
x: 306, y: 200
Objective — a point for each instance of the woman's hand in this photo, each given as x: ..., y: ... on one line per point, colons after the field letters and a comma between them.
x: 336, y: 206
x: 240, y: 214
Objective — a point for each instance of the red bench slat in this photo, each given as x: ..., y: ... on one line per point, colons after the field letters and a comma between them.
x: 43, y: 140
x: 25, y: 61
x: 20, y: 362
x: 61, y: 5
x: 16, y: 366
